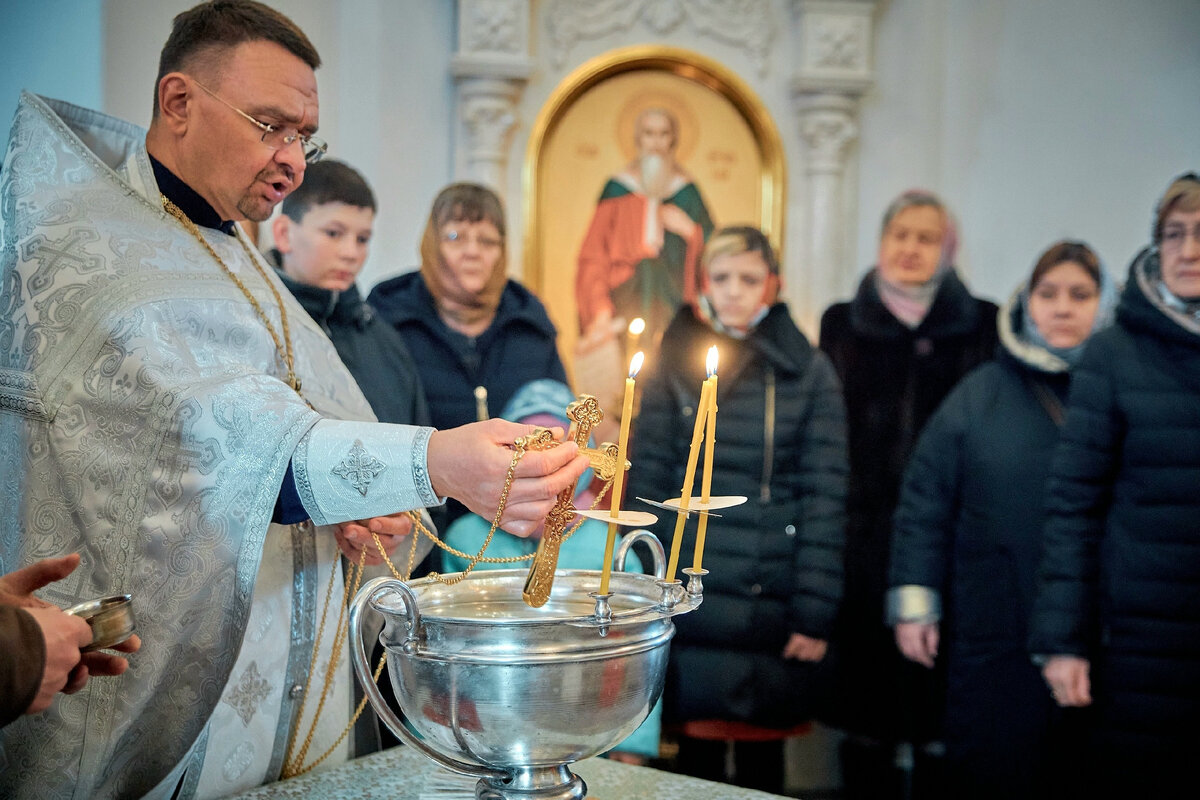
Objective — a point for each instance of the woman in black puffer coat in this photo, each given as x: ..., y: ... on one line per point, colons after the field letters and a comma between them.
x: 751, y: 653
x: 1117, y: 615
x: 967, y: 536
x: 908, y: 336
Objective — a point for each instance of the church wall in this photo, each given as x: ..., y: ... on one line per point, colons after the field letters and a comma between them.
x: 1035, y: 120
x: 396, y: 119
x: 34, y: 38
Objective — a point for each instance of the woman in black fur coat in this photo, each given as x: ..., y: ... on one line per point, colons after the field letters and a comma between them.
x: 908, y: 336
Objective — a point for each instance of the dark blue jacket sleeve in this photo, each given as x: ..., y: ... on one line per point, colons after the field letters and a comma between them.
x: 923, y: 524
x: 288, y: 508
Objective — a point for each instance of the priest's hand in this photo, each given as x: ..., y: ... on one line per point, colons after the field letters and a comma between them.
x: 918, y: 641
x: 804, y: 648
x: 355, y: 537
x: 470, y: 462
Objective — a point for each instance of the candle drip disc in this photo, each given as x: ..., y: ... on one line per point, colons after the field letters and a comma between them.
x: 696, y: 504
x: 674, y: 509
x: 626, y: 518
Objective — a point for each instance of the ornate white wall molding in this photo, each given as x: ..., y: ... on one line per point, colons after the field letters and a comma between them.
x: 834, y: 40
x: 828, y: 126
x: 487, y: 110
x: 490, y: 67
x: 833, y: 70
x: 745, y: 23
x: 498, y: 26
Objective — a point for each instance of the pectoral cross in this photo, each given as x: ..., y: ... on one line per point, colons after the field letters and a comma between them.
x: 584, y: 414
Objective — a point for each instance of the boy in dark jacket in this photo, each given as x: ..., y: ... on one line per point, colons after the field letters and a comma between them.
x: 321, y: 242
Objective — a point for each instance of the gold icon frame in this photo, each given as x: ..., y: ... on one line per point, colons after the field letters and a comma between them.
x: 728, y: 142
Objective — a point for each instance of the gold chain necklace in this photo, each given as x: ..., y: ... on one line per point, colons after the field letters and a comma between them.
x: 283, y: 345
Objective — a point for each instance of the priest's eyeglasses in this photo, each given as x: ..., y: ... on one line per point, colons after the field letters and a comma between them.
x: 277, y: 138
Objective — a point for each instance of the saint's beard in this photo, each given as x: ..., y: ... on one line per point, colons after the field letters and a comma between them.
x: 656, y: 174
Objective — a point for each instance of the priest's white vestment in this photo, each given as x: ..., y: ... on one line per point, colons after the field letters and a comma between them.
x: 144, y: 423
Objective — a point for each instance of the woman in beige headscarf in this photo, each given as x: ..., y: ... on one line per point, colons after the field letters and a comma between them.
x: 476, y: 334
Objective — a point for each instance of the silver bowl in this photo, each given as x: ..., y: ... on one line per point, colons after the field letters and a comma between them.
x: 512, y: 694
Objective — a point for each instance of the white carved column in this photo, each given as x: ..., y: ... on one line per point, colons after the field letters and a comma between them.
x: 490, y: 70
x: 834, y: 45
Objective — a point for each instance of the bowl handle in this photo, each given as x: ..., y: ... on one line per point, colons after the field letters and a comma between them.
x: 656, y: 551
x: 372, y: 592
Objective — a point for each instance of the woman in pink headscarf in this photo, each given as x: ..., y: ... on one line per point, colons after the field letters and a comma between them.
x: 910, y: 333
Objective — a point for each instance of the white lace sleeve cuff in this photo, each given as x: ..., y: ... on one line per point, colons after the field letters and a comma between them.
x: 357, y: 470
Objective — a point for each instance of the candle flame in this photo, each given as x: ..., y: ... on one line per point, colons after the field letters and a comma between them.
x: 635, y: 363
x: 637, y: 326
x: 710, y: 363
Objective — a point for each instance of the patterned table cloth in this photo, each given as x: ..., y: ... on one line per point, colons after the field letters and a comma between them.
x: 402, y: 773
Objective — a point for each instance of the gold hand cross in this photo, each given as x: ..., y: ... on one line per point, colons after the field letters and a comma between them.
x: 584, y: 414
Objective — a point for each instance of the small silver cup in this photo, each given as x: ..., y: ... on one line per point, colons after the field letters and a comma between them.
x: 110, y: 618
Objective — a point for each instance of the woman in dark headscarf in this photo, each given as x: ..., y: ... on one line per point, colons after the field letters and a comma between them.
x: 967, y: 535
x: 910, y: 333
x: 1117, y: 615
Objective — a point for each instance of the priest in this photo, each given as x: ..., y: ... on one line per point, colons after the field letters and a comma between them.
x: 168, y: 411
